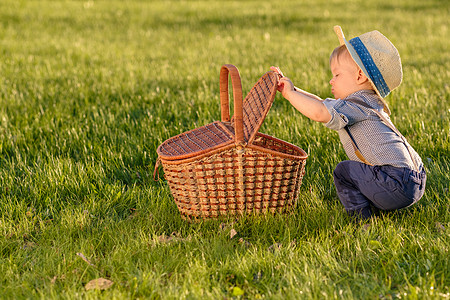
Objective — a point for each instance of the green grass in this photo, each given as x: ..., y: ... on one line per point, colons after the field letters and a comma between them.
x: 88, y: 91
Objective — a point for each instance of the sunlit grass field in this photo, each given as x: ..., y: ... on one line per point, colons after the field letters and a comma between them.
x: 88, y: 91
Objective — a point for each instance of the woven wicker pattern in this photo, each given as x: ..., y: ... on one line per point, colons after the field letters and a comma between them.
x: 195, y: 141
x: 238, y: 181
x: 228, y: 167
x: 257, y: 104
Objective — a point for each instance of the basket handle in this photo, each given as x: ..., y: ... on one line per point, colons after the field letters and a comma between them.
x: 237, y: 99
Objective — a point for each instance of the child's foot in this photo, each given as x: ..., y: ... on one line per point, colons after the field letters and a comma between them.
x: 362, y: 214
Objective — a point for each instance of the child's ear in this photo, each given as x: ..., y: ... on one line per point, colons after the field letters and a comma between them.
x: 361, y: 77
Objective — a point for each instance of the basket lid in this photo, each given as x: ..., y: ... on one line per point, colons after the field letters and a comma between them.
x: 248, y: 117
x: 197, y: 141
x: 257, y: 104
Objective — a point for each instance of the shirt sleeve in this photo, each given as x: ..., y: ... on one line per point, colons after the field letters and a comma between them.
x: 343, y: 113
x: 338, y: 120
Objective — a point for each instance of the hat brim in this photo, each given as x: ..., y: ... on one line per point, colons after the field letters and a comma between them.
x: 357, y: 60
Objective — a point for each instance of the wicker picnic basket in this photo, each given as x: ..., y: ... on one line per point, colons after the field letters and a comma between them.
x: 227, y: 167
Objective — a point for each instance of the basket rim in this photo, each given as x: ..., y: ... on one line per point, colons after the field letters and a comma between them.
x: 285, y: 155
x: 230, y: 145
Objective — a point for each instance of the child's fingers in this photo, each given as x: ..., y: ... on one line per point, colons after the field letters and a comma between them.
x: 280, y: 86
x: 285, y: 83
x: 283, y: 80
x: 277, y: 70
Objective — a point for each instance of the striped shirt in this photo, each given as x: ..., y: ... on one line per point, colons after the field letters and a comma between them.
x: 377, y: 142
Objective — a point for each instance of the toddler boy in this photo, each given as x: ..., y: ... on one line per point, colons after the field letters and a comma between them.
x: 384, y: 171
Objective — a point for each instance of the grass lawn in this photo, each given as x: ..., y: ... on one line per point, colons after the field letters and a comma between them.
x: 88, y: 91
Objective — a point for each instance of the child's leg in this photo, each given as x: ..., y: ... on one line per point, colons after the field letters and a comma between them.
x: 358, y: 185
x: 349, y: 177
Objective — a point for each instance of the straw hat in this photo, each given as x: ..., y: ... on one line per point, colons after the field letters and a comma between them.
x: 378, y: 59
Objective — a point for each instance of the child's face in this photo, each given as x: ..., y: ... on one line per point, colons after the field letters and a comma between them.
x: 345, y: 75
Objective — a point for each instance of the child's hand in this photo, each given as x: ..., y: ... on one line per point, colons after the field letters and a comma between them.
x: 284, y: 84
x: 280, y: 75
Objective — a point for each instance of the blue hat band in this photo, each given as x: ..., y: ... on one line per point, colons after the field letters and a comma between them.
x: 372, y: 69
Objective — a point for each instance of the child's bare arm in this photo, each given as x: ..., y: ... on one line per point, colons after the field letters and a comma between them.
x: 307, y: 94
x: 308, y: 104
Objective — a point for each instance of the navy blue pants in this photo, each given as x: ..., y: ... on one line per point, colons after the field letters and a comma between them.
x: 385, y: 187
